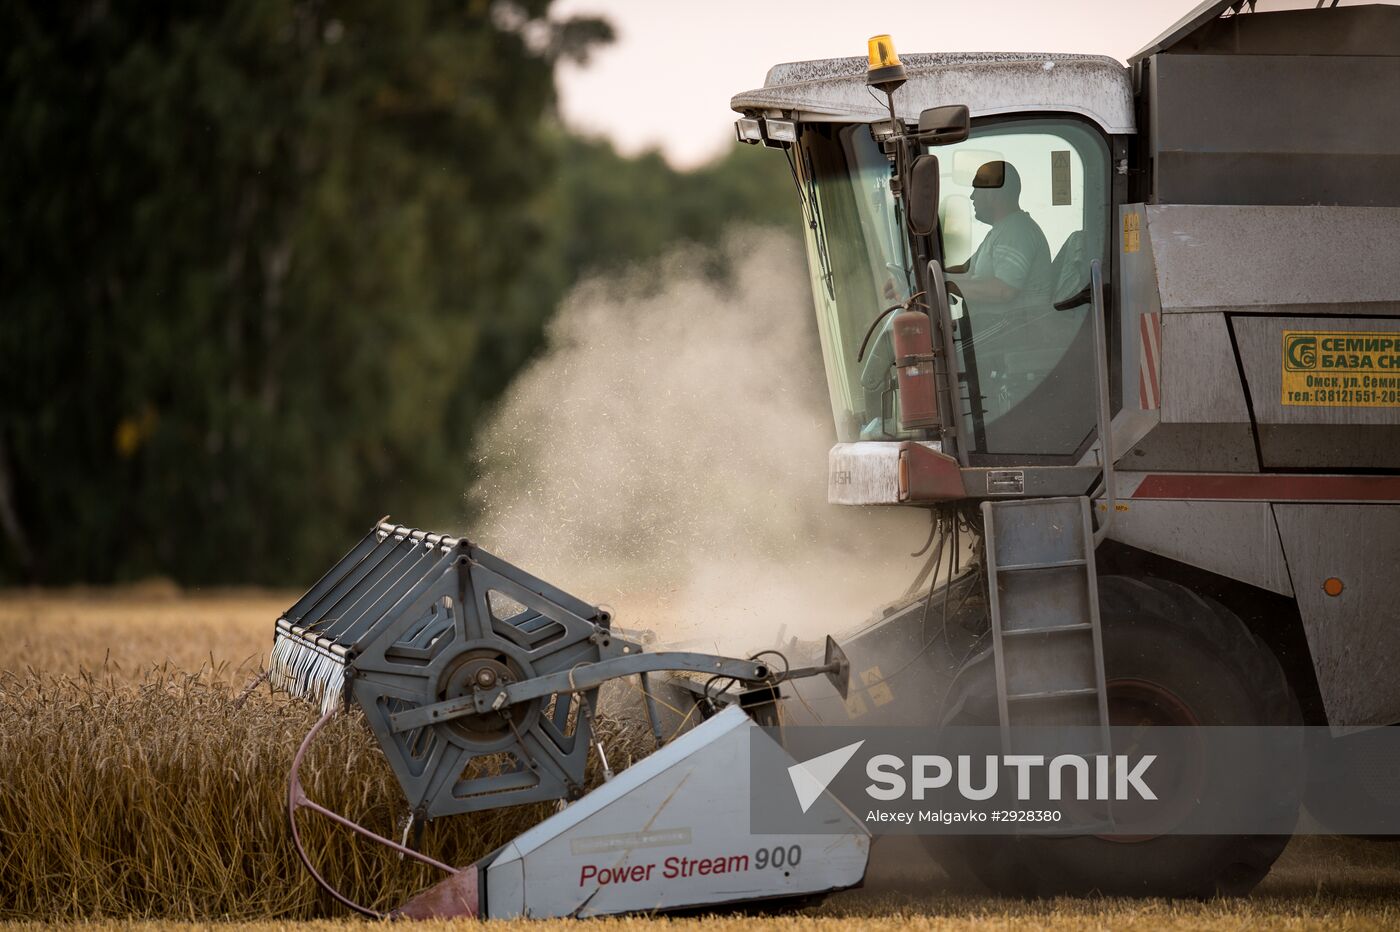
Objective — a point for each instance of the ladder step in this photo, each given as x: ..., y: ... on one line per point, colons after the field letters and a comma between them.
x: 1053, y: 694
x: 1057, y: 679
x: 1054, y: 564
x: 1048, y: 629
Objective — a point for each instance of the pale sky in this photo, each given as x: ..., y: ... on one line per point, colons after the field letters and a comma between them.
x: 667, y: 80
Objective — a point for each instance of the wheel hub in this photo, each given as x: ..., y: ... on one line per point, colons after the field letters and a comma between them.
x: 484, y: 668
x: 1141, y: 703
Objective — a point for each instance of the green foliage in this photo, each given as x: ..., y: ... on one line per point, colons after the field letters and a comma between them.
x: 267, y: 263
x: 628, y: 210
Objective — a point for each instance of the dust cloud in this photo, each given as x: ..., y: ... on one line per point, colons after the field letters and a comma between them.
x: 666, y: 456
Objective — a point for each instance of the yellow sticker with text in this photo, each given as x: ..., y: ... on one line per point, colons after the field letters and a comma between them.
x: 1132, y: 236
x: 1341, y: 368
x: 879, y: 690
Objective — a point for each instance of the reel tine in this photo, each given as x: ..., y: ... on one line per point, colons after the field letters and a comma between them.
x: 307, y: 670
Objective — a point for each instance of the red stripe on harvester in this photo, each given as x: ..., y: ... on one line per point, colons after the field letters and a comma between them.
x: 1272, y: 488
x: 1149, y: 381
x: 1154, y: 335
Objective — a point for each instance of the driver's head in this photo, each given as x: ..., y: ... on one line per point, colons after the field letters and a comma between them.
x: 996, y: 191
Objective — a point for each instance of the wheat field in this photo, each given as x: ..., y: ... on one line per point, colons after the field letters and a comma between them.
x: 142, y: 786
x: 144, y: 779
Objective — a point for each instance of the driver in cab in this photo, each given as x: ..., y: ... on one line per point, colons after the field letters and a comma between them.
x: 1011, y: 268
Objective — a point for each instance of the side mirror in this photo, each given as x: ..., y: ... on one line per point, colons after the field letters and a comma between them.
x: 940, y: 126
x: 922, y: 199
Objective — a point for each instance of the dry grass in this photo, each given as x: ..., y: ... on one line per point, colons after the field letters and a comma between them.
x: 144, y: 791
x: 127, y: 630
x: 163, y: 798
x: 943, y: 914
x: 140, y: 791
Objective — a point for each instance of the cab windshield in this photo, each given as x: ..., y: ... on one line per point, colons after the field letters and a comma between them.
x: 860, y: 265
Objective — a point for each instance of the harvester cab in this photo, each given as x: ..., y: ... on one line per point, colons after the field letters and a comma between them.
x: 957, y: 269
x: 989, y: 232
x: 958, y: 276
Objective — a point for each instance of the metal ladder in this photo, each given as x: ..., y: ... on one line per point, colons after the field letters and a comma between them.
x: 1043, y: 592
x: 1047, y: 642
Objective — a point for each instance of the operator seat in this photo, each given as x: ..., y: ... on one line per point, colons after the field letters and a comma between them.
x: 1069, y: 270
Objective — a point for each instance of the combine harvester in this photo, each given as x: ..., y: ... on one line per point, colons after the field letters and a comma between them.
x: 1157, y: 387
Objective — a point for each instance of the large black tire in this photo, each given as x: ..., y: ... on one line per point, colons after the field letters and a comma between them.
x: 1199, y: 652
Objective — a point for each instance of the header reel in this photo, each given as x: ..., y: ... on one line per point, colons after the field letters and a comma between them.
x: 409, y: 619
x: 479, y: 680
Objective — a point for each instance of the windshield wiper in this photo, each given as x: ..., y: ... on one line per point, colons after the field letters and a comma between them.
x: 812, y: 210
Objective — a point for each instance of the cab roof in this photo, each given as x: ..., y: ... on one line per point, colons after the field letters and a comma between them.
x: 834, y: 89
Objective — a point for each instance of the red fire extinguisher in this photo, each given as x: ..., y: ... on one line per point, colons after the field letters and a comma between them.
x: 913, y: 359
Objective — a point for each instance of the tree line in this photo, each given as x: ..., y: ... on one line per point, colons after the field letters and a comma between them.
x: 267, y: 265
